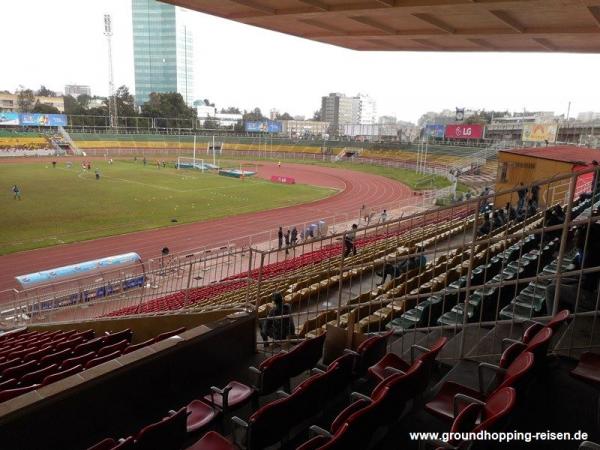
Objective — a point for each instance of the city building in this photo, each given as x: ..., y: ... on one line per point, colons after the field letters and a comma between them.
x: 273, y: 114
x: 8, y: 102
x: 206, y: 112
x: 588, y: 116
x: 303, y: 128
x: 339, y: 110
x: 367, y: 110
x: 162, y: 50
x: 387, y: 120
x: 527, y: 117
x: 76, y: 90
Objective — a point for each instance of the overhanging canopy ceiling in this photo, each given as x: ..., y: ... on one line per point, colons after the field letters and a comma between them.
x: 423, y: 25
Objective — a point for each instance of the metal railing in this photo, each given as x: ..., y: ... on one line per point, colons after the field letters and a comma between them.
x: 326, y: 284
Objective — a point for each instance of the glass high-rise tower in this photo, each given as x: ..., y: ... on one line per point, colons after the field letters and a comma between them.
x: 162, y: 51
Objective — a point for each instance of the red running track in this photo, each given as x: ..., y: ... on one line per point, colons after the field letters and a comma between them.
x: 356, y: 189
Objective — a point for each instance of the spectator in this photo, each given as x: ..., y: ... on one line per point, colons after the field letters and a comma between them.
x: 522, y: 193
x: 280, y: 238
x: 510, y: 212
x: 287, y: 241
x: 587, y: 256
x: 349, y: 241
x: 383, y: 217
x: 496, y: 222
x: 16, y: 192
x: 294, y: 237
x: 535, y: 194
x: 551, y: 218
x: 486, y: 227
x: 406, y: 265
x: 531, y: 208
x: 97, y: 172
x: 502, y: 216
x: 275, y: 326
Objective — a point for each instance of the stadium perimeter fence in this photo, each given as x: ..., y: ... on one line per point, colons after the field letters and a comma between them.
x: 327, y: 288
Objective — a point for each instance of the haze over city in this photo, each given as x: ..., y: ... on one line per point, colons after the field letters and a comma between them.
x: 244, y: 66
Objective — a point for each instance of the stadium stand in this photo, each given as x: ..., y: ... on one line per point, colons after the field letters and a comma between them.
x: 467, y: 341
x: 33, y: 358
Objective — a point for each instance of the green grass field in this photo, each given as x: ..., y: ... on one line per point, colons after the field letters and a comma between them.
x: 65, y: 205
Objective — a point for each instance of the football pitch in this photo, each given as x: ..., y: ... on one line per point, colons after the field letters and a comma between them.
x: 67, y: 204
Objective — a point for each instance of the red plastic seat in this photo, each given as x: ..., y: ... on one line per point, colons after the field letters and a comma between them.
x: 10, y: 363
x: 70, y: 344
x: 18, y: 371
x: 113, y: 338
x: 168, y: 434
x: 232, y: 396
x: 9, y: 384
x: 7, y: 394
x: 117, y: 346
x: 370, y: 351
x: 89, y: 346
x: 38, y: 375
x: 86, y: 335
x: 212, y: 441
x: 105, y: 444
x: 134, y: 347
x: 200, y: 415
x: 380, y: 370
x: 101, y: 359
x: 444, y: 403
x: 588, y: 368
x: 57, y: 357
x: 553, y: 324
x: 77, y: 360
x: 62, y: 374
x: 168, y: 334
x: 111, y: 444
x: 39, y: 354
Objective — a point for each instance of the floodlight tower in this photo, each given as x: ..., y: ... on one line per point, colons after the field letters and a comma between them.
x: 112, y: 101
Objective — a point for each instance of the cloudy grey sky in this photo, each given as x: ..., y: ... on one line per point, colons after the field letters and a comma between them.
x: 61, y: 41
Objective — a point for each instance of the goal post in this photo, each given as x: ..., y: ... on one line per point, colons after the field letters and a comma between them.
x: 185, y: 162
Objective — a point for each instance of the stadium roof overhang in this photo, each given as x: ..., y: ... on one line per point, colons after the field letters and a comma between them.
x: 423, y: 25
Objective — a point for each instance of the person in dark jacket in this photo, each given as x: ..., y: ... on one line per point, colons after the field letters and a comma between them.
x: 486, y: 227
x: 294, y: 236
x: 287, y: 241
x: 280, y: 238
x: 522, y: 192
x: 406, y: 265
x: 277, y: 327
x: 510, y: 212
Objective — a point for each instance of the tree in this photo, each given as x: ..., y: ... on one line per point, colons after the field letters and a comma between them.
x: 208, y: 103
x: 317, y: 115
x: 254, y: 115
x: 230, y: 110
x: 25, y: 100
x: 125, y: 102
x: 284, y: 116
x: 169, y: 104
x: 44, y: 109
x: 43, y: 91
x: 84, y: 100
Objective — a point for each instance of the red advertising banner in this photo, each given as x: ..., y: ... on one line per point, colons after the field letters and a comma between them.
x: 464, y: 131
x: 280, y: 179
